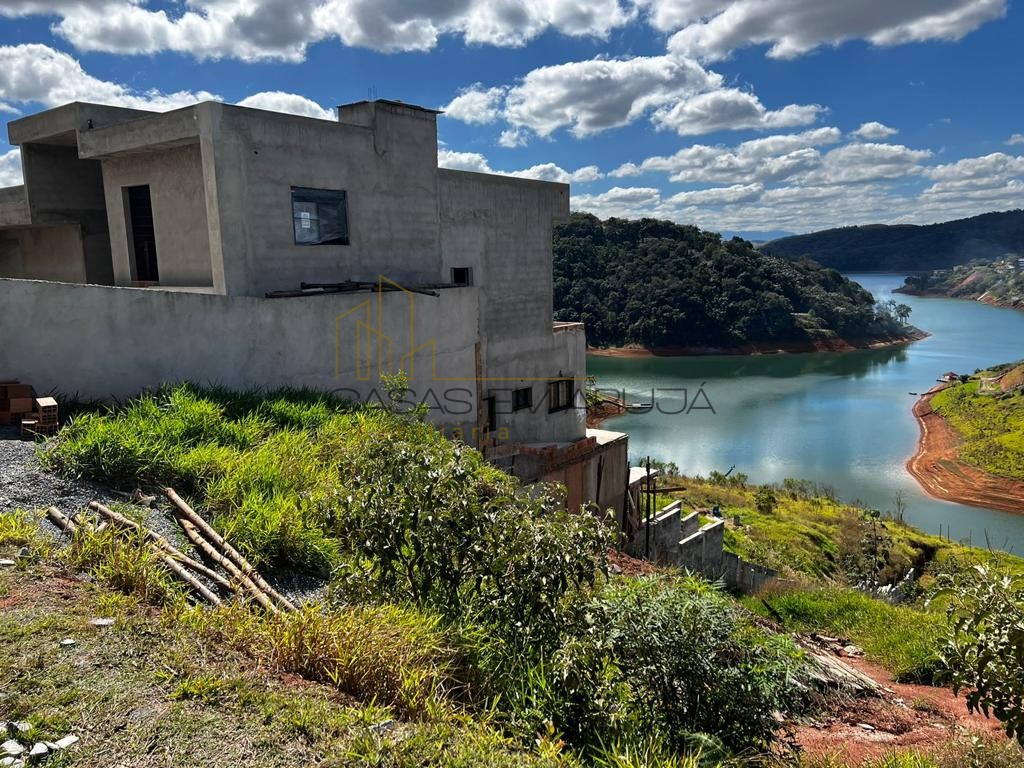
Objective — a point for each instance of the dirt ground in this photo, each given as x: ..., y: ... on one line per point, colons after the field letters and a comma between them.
x: 912, y: 717
x: 939, y: 471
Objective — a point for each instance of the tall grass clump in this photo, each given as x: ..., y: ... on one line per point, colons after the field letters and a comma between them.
x: 123, y: 561
x: 18, y: 528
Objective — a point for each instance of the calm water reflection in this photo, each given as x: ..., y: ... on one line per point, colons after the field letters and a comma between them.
x: 843, y: 419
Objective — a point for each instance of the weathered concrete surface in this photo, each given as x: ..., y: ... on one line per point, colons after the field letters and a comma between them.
x: 105, y: 341
x: 44, y: 253
x: 389, y: 172
x: 62, y: 189
x: 14, y: 207
x: 176, y: 188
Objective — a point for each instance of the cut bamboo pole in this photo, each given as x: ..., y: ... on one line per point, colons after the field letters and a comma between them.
x: 222, y: 560
x: 220, y: 543
x: 65, y: 523
x: 61, y: 520
x: 189, y: 579
x: 162, y: 544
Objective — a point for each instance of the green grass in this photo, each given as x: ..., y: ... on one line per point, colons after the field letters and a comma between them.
x: 902, y: 638
x: 153, y: 690
x: 992, y: 427
x: 809, y: 533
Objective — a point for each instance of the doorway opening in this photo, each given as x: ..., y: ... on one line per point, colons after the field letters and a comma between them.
x: 141, y: 234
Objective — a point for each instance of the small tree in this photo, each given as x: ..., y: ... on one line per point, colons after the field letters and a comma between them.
x: 983, y: 651
x: 765, y: 500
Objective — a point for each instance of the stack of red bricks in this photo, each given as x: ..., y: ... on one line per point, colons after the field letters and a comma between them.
x: 19, y: 407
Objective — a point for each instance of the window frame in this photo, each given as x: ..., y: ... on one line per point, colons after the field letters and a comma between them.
x: 517, y: 404
x: 469, y: 277
x: 555, y: 404
x: 338, y: 198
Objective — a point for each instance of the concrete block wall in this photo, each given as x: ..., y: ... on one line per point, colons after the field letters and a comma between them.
x: 681, y: 541
x: 104, y: 342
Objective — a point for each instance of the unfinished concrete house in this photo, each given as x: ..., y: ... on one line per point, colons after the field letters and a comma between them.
x: 223, y: 244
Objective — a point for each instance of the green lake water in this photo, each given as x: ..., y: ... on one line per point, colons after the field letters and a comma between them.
x: 842, y: 419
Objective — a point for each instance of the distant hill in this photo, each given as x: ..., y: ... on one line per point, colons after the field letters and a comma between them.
x: 907, y: 246
x: 660, y: 285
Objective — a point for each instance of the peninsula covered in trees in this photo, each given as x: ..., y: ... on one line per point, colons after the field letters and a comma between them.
x: 658, y: 285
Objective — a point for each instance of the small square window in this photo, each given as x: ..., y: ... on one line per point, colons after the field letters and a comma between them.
x: 462, y: 275
x: 561, y: 394
x: 522, y: 398
x: 320, y: 216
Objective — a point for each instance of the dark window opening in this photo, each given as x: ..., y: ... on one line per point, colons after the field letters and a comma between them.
x: 462, y: 275
x: 141, y: 233
x: 522, y: 398
x: 561, y: 395
x: 320, y: 216
x: 491, y: 408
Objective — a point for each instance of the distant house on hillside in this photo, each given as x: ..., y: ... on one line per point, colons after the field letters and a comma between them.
x: 219, y: 243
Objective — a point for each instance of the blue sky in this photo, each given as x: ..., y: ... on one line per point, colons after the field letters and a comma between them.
x: 737, y: 115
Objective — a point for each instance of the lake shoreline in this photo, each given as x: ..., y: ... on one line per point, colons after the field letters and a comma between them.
x: 982, y: 298
x: 768, y: 348
x: 937, y: 469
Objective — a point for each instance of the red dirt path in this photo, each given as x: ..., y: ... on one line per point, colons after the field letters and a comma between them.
x: 913, y: 717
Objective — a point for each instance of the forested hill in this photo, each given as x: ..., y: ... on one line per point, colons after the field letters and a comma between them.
x: 657, y: 284
x: 908, y: 247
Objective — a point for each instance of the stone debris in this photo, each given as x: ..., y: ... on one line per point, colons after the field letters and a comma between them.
x: 865, y: 726
x: 12, y: 747
x: 102, y: 622
x: 67, y: 642
x: 853, y: 650
x: 24, y: 553
x: 5, y: 563
x: 17, y: 753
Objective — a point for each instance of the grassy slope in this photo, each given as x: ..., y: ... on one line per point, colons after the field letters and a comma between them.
x: 809, y: 538
x: 151, y: 691
x: 808, y: 532
x: 992, y: 427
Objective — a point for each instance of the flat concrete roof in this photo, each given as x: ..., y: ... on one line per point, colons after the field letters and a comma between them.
x: 60, y: 124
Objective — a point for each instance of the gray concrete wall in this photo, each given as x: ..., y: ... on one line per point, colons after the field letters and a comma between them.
x: 388, y: 170
x: 109, y: 341
x: 14, y: 207
x: 501, y: 228
x: 43, y: 253
x: 177, y: 191
x: 60, y: 188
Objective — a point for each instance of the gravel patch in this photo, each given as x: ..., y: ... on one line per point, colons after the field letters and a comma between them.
x: 25, y: 484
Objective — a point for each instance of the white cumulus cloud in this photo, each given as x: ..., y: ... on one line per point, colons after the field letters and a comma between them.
x: 873, y: 131
x: 291, y: 103
x: 10, y: 168
x: 712, y: 29
x: 284, y: 29
x: 37, y: 74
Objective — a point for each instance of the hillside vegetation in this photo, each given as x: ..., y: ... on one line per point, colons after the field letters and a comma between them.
x: 657, y: 284
x: 461, y: 606
x: 908, y: 247
x: 994, y: 281
x: 991, y: 425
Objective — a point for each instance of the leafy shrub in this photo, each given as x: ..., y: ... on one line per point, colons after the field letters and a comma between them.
x: 659, y: 659
x: 983, y: 651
